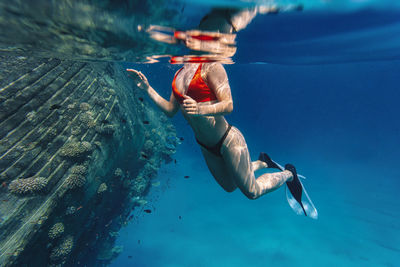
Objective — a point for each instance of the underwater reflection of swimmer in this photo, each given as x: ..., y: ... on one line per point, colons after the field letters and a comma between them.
x: 216, y: 32
x: 202, y: 92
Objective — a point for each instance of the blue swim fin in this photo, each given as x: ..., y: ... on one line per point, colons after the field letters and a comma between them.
x: 297, y: 196
x: 295, y: 187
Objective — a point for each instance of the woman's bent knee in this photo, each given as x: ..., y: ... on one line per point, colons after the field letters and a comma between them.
x: 251, y: 195
x: 228, y: 187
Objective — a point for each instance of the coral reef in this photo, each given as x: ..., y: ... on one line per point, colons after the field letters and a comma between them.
x: 77, y: 177
x: 98, y: 101
x: 150, y: 168
x: 118, y: 173
x: 84, y: 106
x: 70, y: 210
x: 56, y: 230
x: 102, y: 188
x: 139, y: 185
x: 106, y: 130
x: 76, y: 130
x: 111, y: 91
x: 75, y: 181
x: 31, y: 117
x: 76, y: 150
x: 63, y: 249
x: 59, y: 140
x: 27, y: 185
x: 79, y: 170
x: 148, y: 147
x: 87, y: 119
x: 109, y: 254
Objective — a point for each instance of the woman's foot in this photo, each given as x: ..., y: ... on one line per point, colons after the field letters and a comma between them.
x: 270, y: 163
x: 295, y: 187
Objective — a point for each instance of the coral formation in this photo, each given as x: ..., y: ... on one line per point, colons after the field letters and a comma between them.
x: 97, y: 144
x: 139, y: 185
x: 79, y: 170
x: 98, y: 101
x: 76, y: 150
x: 56, y: 230
x: 111, y: 91
x: 148, y: 147
x: 84, y: 106
x: 87, y: 119
x: 150, y: 168
x: 106, y: 130
x: 70, y: 210
x: 77, y: 177
x: 118, y: 173
x: 103, y: 187
x: 71, y: 106
x: 75, y: 130
x: 31, y: 117
x: 62, y: 250
x: 28, y: 185
x: 74, y: 181
x: 108, y: 254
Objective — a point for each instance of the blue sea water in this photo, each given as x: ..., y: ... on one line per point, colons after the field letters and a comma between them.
x: 319, y: 90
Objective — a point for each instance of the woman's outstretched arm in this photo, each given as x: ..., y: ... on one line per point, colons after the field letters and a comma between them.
x: 168, y: 107
x: 217, y: 80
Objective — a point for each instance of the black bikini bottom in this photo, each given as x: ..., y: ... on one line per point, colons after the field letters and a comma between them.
x: 216, y: 149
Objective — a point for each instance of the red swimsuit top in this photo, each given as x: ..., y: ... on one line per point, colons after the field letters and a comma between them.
x: 198, y: 89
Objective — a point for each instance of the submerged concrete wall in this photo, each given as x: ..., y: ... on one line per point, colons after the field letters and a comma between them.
x: 78, y: 147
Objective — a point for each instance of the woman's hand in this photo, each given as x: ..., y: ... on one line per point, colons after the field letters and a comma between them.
x: 139, y: 78
x: 190, y: 106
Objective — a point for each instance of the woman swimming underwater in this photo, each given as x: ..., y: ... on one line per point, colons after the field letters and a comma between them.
x: 202, y: 92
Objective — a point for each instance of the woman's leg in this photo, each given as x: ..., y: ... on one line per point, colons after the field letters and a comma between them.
x: 218, y: 169
x: 237, y: 159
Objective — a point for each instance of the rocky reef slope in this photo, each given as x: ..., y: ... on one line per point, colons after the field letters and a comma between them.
x: 78, y: 148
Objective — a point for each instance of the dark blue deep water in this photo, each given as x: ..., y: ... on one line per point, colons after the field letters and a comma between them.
x: 319, y: 90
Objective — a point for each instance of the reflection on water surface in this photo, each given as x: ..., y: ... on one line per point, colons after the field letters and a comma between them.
x: 153, y: 31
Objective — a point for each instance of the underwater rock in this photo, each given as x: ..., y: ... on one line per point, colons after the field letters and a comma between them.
x: 60, y: 148
x: 56, y: 231
x: 27, y: 185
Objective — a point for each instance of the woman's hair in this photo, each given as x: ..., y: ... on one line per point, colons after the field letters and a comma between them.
x: 219, y: 20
